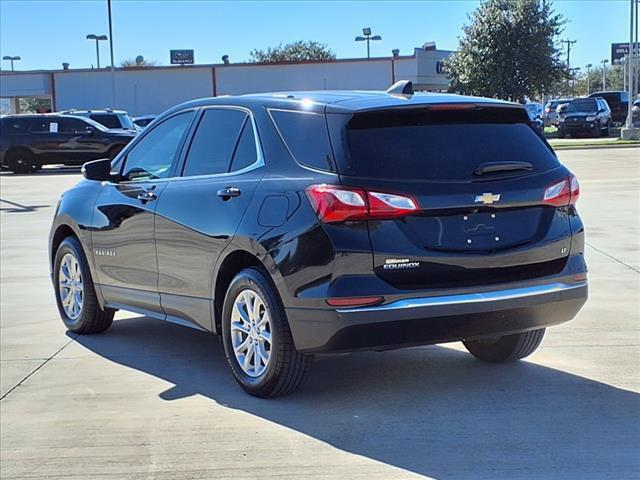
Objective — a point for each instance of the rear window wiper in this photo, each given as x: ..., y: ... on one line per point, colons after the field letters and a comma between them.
x: 492, y: 167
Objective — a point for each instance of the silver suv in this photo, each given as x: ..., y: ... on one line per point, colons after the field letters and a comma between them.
x: 107, y: 117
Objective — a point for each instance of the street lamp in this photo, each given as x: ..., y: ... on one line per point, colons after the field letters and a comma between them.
x: 574, y: 71
x: 366, y: 31
x: 588, y: 67
x: 604, y: 74
x: 11, y: 59
x: 97, y: 38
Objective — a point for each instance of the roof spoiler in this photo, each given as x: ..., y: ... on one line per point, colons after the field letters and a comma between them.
x: 401, y: 87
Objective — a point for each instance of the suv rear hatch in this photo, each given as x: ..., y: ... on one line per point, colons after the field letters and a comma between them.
x: 478, y: 175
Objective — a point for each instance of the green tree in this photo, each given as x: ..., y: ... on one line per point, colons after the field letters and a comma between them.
x: 509, y: 50
x: 34, y: 105
x: 131, y: 63
x: 293, y: 52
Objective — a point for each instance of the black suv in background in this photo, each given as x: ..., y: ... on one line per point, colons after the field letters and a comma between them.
x: 27, y: 142
x: 309, y: 222
x: 618, y: 102
x: 590, y: 116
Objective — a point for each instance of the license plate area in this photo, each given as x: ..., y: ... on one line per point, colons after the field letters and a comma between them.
x: 479, y: 230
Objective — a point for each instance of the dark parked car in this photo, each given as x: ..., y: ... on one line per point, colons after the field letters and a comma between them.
x: 550, y: 115
x: 587, y: 116
x: 534, y: 110
x: 618, y: 102
x: 308, y: 222
x: 27, y: 142
x: 109, y: 118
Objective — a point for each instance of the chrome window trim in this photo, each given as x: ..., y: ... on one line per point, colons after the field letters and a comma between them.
x: 259, y: 153
x: 466, y: 298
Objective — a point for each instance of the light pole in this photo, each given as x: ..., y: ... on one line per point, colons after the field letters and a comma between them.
x: 113, y: 68
x: 622, y: 62
x: 588, y: 67
x: 11, y: 59
x: 604, y: 74
x: 97, y: 38
x: 366, y: 31
x: 574, y: 72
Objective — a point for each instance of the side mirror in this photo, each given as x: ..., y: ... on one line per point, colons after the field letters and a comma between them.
x: 99, y: 170
x: 601, y: 110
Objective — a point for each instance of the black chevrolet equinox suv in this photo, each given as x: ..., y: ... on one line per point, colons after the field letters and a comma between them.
x: 308, y: 222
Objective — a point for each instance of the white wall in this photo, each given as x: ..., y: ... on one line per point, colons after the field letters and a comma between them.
x: 153, y: 90
x: 358, y: 75
x: 25, y: 84
x: 138, y: 92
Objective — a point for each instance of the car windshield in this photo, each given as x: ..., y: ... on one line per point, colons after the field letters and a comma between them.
x: 587, y: 105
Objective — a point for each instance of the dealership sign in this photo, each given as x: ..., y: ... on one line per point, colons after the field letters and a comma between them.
x: 621, y: 50
x: 181, y: 57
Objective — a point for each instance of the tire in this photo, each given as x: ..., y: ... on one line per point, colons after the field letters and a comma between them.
x: 597, y: 132
x: 90, y: 318
x: 21, y: 161
x: 508, y: 348
x: 285, y: 368
x: 607, y: 130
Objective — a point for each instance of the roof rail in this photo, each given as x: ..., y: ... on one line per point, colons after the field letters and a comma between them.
x: 401, y: 87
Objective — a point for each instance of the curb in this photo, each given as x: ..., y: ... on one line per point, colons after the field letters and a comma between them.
x: 594, y: 147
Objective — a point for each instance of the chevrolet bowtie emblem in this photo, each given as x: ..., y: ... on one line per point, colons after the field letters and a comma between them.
x: 487, y: 198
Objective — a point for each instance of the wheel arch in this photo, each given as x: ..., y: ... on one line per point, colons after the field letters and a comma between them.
x: 233, y: 261
x: 66, y: 229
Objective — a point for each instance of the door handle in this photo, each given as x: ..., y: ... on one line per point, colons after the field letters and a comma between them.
x: 228, y: 192
x: 147, y: 196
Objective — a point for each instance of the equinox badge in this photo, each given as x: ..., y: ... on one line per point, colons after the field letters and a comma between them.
x: 488, y: 198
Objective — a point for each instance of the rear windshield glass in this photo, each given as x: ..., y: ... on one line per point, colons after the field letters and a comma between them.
x: 440, y: 146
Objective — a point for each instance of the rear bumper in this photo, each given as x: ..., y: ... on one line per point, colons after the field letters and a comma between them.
x: 428, y: 320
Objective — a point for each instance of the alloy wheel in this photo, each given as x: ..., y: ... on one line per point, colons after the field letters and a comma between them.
x: 70, y: 286
x: 251, y: 333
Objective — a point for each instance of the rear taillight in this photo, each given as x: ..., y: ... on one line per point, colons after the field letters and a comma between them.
x: 333, y: 203
x: 562, y: 193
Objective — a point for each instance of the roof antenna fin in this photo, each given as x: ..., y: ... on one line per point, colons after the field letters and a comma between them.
x: 401, y: 87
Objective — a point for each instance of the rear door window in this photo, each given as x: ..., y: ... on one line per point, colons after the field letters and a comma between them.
x: 214, y: 142
x: 109, y: 120
x: 245, y: 153
x: 73, y: 125
x: 439, y: 146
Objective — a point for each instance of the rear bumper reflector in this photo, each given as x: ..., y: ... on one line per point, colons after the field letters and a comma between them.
x: 466, y: 298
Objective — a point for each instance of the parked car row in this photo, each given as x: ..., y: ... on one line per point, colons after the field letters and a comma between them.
x: 27, y: 142
x: 70, y: 137
x: 594, y: 115
x: 590, y: 115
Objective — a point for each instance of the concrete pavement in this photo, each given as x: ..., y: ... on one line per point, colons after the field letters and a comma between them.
x: 155, y: 400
